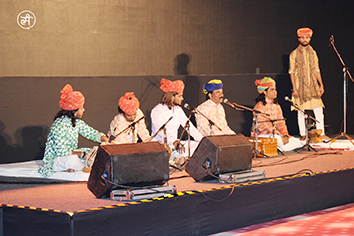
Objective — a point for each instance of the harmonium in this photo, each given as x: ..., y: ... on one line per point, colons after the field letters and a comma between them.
x: 266, y: 146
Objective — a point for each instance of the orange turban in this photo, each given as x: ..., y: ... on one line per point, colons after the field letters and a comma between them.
x: 304, y: 31
x: 169, y: 86
x: 129, y: 103
x: 71, y: 100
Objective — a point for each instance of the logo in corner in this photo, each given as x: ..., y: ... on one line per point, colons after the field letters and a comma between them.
x: 26, y: 19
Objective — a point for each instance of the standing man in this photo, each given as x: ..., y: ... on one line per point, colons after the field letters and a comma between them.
x: 306, y: 81
x: 213, y: 109
x: 129, y: 121
x: 170, y: 107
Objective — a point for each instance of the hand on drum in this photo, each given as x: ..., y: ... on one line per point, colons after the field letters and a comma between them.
x: 179, y: 147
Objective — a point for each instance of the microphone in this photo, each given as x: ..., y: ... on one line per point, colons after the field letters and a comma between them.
x: 288, y: 100
x: 330, y: 41
x: 226, y: 101
x: 186, y: 105
x: 111, y: 137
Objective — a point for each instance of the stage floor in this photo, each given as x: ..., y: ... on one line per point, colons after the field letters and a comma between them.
x: 294, y: 183
x: 74, y: 197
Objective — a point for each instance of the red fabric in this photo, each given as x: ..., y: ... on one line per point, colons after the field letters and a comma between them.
x: 71, y: 100
x: 129, y: 103
x: 171, y: 86
x: 304, y: 31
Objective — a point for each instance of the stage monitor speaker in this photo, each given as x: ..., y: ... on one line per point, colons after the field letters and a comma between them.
x: 220, y: 154
x: 136, y: 164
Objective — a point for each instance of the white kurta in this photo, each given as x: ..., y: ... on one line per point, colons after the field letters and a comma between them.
x: 160, y: 115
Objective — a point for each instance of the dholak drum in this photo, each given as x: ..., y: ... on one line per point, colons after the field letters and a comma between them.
x: 267, y: 146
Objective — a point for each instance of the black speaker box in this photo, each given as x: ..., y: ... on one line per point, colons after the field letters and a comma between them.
x: 135, y: 164
x: 220, y: 154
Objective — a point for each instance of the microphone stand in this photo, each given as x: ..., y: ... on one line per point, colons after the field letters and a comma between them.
x: 186, y: 128
x: 163, y: 127
x: 211, y: 123
x: 238, y: 107
x: 255, y: 129
x: 307, y: 116
x: 273, y: 130
x: 131, y: 126
x: 345, y: 90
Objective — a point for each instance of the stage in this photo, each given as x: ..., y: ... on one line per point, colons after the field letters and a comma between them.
x: 294, y: 183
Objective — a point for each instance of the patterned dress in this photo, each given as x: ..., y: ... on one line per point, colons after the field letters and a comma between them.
x: 293, y: 69
x: 216, y: 113
x: 119, y: 123
x: 276, y: 113
x: 63, y: 139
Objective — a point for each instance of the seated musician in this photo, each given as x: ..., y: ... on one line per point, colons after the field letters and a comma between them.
x: 170, y: 107
x: 267, y: 104
x: 61, y: 150
x: 212, y: 109
x: 122, y: 126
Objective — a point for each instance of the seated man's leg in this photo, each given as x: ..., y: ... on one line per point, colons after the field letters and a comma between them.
x: 181, y: 157
x: 68, y: 162
x: 291, y: 145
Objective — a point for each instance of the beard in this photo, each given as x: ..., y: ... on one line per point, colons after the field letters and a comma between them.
x: 176, y: 103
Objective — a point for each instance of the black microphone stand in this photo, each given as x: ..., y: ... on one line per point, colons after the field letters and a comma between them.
x: 238, y: 107
x: 345, y: 90
x: 130, y: 126
x: 163, y: 127
x: 273, y: 130
x: 186, y: 129
x: 255, y: 131
x: 211, y: 123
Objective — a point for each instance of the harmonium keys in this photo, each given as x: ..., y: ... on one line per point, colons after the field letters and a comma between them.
x: 267, y: 146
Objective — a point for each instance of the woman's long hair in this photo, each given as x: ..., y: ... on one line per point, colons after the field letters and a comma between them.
x: 261, y: 98
x: 70, y: 114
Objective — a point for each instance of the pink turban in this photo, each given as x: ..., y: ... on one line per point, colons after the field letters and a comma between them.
x: 71, y: 100
x: 304, y: 31
x: 129, y: 103
x: 169, y: 86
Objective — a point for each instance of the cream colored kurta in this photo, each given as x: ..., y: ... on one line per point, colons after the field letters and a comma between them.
x: 314, y: 102
x: 119, y: 123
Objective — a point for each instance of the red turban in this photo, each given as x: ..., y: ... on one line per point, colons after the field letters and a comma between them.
x: 71, y: 100
x: 129, y: 103
x: 169, y: 86
x: 304, y: 31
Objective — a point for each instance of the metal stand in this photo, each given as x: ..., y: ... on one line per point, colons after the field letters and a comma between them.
x: 133, y: 133
x: 307, y: 144
x: 255, y: 128
x: 345, y: 90
x: 131, y: 126
x: 238, y: 107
